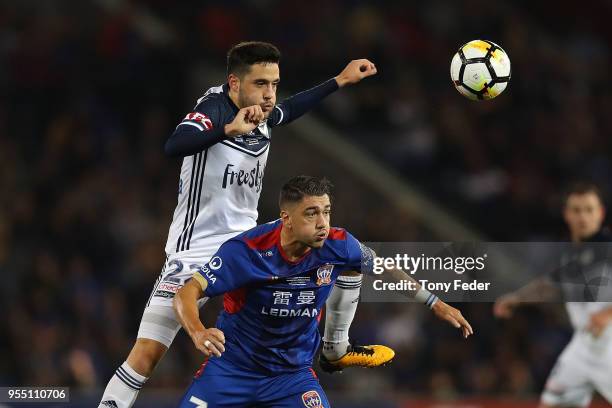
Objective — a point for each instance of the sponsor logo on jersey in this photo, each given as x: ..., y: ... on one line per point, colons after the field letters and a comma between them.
x: 200, y: 118
x: 215, y: 263
x: 168, y: 287
x: 312, y: 399
x: 324, y: 274
x: 210, y: 277
x: 164, y: 294
x: 278, y: 312
x: 268, y: 253
x: 249, y: 178
x: 249, y: 141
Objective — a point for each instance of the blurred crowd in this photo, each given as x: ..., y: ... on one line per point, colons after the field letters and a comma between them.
x: 93, y: 89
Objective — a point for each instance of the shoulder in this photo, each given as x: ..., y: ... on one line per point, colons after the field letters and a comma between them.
x: 263, y: 236
x: 340, y: 244
x: 214, y: 96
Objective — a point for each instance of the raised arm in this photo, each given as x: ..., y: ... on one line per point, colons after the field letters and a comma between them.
x: 298, y: 104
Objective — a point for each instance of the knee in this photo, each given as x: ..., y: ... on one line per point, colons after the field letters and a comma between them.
x: 350, y: 273
x: 145, y: 355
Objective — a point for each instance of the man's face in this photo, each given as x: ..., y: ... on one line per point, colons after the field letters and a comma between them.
x: 258, y: 87
x: 584, y: 214
x: 308, y: 220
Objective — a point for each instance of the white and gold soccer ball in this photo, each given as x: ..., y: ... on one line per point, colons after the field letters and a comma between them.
x: 480, y: 70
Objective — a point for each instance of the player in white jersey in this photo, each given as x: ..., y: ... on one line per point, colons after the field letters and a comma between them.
x: 225, y: 142
x: 585, y: 365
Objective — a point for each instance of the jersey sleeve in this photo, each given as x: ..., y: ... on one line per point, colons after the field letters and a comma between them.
x: 298, y: 104
x: 200, y: 129
x: 229, y: 269
x: 360, y: 257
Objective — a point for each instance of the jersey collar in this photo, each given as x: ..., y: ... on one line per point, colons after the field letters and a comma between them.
x: 231, y: 103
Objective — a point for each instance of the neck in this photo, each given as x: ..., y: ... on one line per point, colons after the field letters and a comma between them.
x: 292, y: 248
x: 234, y: 98
x: 576, y: 238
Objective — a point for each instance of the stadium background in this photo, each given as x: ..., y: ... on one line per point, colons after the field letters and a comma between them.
x: 93, y: 88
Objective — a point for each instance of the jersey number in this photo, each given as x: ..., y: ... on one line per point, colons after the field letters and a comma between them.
x: 198, y: 402
x: 176, y: 267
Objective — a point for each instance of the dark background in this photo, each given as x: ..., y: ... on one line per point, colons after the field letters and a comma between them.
x: 92, y: 89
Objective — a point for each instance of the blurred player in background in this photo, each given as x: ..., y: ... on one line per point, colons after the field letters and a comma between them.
x: 585, y: 364
x: 276, y: 278
x: 225, y: 142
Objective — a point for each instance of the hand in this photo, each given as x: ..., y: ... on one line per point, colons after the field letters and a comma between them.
x: 355, y: 71
x: 505, y: 305
x: 599, y: 321
x: 452, y: 316
x: 209, y: 341
x: 246, y: 120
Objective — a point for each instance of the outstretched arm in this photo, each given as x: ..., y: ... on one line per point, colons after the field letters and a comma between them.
x: 442, y: 310
x: 208, y: 341
x: 542, y: 289
x: 298, y: 104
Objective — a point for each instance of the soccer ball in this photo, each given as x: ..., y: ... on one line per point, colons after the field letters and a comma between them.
x: 480, y: 70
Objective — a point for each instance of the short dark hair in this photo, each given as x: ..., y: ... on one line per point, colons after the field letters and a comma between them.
x: 301, y: 186
x: 583, y: 187
x: 241, y: 56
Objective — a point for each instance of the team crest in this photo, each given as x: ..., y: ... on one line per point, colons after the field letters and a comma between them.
x: 324, y: 274
x: 312, y: 399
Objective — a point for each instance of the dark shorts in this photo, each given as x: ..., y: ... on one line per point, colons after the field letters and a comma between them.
x: 221, y: 384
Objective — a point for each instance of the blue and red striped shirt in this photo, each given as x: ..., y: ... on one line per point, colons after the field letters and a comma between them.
x: 272, y: 306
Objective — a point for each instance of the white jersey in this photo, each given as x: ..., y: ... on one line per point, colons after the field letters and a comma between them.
x: 585, y: 279
x: 580, y: 312
x: 219, y: 188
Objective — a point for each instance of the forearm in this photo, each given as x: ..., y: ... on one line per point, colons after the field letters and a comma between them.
x: 298, y: 104
x: 186, y: 307
x: 186, y: 142
x: 440, y: 309
x: 539, y: 290
x: 415, y: 290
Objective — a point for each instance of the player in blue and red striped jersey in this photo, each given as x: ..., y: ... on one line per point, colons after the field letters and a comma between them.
x: 275, y: 279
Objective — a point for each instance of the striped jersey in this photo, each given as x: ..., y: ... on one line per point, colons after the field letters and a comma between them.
x: 272, y: 305
x: 219, y: 187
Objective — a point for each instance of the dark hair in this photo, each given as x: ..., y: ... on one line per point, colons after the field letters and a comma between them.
x: 301, y: 186
x: 241, y: 56
x: 583, y: 187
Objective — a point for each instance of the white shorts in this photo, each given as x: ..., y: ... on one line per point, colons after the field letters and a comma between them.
x: 158, y: 320
x: 584, y: 366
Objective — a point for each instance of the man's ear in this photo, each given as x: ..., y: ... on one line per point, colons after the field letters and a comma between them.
x: 233, y: 82
x: 284, y: 215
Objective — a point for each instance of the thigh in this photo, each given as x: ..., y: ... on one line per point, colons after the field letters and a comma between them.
x: 602, y: 373
x: 173, y: 276
x: 218, y: 386
x: 569, y: 382
x: 313, y: 398
x: 159, y: 322
x: 301, y: 389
